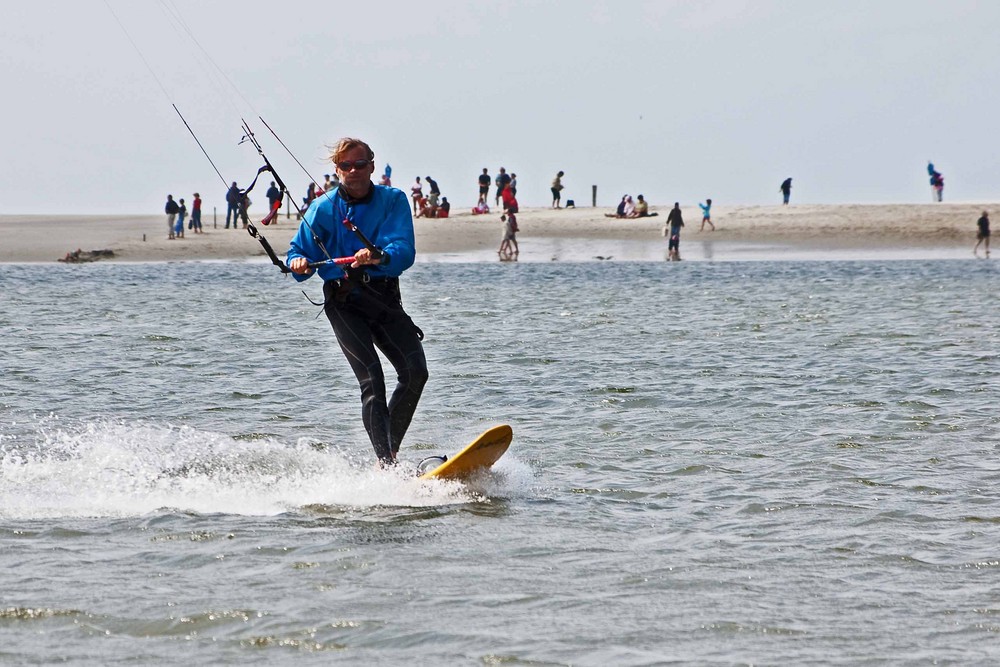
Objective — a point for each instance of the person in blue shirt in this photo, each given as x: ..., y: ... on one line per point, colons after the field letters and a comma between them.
x: 363, y: 302
x: 706, y: 215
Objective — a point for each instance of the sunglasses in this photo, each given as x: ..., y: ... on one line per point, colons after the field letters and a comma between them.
x: 347, y: 165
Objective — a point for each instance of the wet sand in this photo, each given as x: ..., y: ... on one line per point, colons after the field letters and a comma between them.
x: 946, y: 230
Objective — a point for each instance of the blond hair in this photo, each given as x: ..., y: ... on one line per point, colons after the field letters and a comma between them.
x: 347, y: 143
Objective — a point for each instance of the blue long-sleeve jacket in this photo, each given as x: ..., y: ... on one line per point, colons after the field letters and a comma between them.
x: 383, y: 216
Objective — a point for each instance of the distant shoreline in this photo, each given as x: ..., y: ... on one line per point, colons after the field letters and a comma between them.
x: 836, y: 231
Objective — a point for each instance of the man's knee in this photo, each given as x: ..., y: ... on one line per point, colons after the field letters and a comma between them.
x: 414, y: 375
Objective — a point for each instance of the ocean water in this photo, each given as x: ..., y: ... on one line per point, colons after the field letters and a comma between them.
x: 785, y: 462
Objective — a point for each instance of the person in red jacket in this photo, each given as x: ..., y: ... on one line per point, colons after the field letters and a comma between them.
x: 509, y: 200
x: 196, y: 214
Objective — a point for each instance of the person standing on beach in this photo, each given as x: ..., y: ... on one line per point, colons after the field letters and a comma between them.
x: 786, y: 190
x: 196, y: 214
x: 675, y: 221
x: 244, y: 210
x: 503, y: 180
x: 509, y: 200
x: 233, y: 204
x: 181, y: 214
x: 416, y: 193
x: 557, y: 187
x: 170, y: 209
x: 984, y: 234
x: 937, y: 183
x: 273, y: 200
x: 512, y: 186
x: 434, y: 194
x: 363, y: 301
x: 484, y: 184
x: 706, y: 215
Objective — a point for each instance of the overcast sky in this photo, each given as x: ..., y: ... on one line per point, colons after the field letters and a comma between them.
x: 678, y: 100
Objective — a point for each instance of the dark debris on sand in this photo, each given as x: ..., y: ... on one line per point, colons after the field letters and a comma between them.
x: 79, y: 256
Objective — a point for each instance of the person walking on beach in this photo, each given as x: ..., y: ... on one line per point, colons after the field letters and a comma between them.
x: 181, y: 214
x: 512, y: 186
x: 706, y: 215
x: 196, y: 214
x: 232, y: 204
x: 363, y: 301
x: 273, y: 200
x: 508, y: 244
x: 675, y: 221
x: 484, y: 184
x: 503, y: 180
x: 984, y: 234
x: 171, y: 209
x: 557, y: 187
x: 786, y: 190
x: 416, y: 193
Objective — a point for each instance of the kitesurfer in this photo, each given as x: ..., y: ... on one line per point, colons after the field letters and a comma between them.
x: 363, y: 303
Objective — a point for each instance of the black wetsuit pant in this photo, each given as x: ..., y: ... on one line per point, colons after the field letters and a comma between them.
x: 370, y: 315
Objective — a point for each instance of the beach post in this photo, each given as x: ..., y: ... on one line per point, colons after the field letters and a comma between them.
x: 215, y: 220
x: 593, y: 196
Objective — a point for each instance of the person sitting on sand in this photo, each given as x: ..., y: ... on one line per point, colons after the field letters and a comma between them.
x: 620, y: 211
x: 628, y: 211
x: 641, y: 207
x: 423, y: 207
x: 984, y: 234
x: 444, y: 209
x: 481, y: 207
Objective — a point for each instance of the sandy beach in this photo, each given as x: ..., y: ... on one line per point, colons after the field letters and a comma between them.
x: 946, y: 230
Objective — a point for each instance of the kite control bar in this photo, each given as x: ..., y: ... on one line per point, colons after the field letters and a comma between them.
x: 336, y: 261
x: 376, y: 253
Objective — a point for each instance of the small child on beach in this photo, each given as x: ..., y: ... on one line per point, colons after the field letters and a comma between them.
x: 706, y: 215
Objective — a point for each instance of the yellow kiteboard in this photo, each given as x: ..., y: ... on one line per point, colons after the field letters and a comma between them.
x: 481, y: 453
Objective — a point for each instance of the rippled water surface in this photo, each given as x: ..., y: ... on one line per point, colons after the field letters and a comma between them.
x: 757, y: 462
